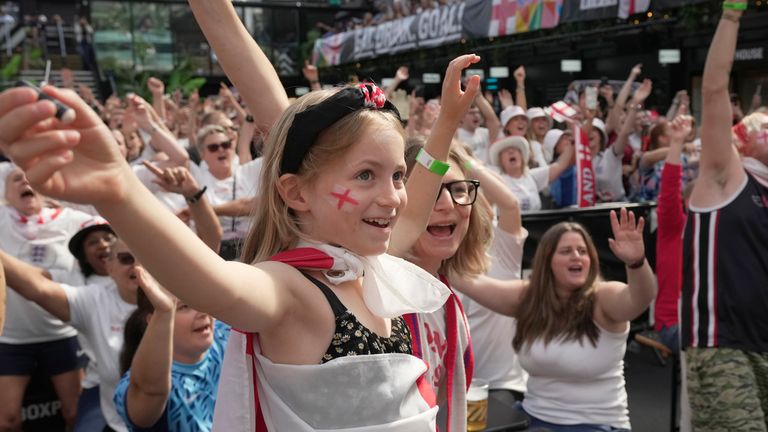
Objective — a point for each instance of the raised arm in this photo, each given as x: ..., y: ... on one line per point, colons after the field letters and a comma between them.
x: 400, y: 76
x: 520, y: 98
x: 719, y: 165
x: 157, y: 88
x: 80, y: 162
x: 612, y: 121
x: 237, y: 207
x: 179, y: 180
x: 491, y: 119
x: 32, y: 283
x: 500, y: 296
x: 641, y: 94
x: 423, y: 184
x: 563, y: 162
x: 312, y: 75
x: 621, y: 302
x: 498, y: 194
x: 242, y: 59
x: 150, y: 383
x: 161, y: 138
x: 244, y: 139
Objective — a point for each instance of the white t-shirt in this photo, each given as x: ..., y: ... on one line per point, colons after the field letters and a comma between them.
x: 41, y: 241
x: 99, y: 314
x: 537, y: 150
x: 244, y: 183
x: 526, y: 187
x: 608, y: 172
x: 479, y: 141
x: 492, y: 333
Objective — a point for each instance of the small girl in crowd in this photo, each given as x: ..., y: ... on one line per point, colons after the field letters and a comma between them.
x: 334, y: 180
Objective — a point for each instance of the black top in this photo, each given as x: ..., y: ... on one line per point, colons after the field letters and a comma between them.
x: 725, y: 273
x: 352, y: 338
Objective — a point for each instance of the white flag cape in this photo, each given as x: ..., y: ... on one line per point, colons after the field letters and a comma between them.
x: 371, y: 393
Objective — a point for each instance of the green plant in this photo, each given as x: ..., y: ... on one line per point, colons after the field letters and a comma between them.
x: 10, y: 70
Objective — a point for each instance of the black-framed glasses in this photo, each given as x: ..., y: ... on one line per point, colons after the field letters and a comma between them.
x: 213, y: 148
x: 462, y: 192
x: 125, y: 258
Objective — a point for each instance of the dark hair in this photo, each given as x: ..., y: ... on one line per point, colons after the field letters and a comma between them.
x: 542, y: 315
x: 135, y: 326
x: 85, y: 267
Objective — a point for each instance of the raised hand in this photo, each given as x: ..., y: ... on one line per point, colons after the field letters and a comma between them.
x: 174, y: 179
x: 627, y: 242
x: 519, y: 74
x: 454, y: 102
x: 402, y: 74
x: 679, y: 128
x: 642, y: 92
x: 505, y: 98
x: 310, y: 72
x: 78, y: 162
x: 155, y: 86
x: 637, y: 69
x: 161, y: 300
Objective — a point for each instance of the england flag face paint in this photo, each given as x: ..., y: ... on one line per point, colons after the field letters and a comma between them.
x: 343, y: 198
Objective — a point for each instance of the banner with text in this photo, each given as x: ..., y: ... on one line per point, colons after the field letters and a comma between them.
x: 472, y: 19
x: 587, y: 10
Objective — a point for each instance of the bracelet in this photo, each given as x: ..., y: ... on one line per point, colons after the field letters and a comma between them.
x: 314, y: 81
x: 732, y: 5
x: 636, y: 265
x: 433, y: 165
x: 196, y: 197
x: 520, y: 88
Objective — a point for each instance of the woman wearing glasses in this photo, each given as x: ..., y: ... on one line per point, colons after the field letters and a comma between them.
x: 230, y: 188
x: 457, y: 236
x: 97, y: 312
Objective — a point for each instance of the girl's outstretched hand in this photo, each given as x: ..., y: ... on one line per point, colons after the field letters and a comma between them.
x: 77, y: 162
x: 454, y: 102
x: 627, y: 243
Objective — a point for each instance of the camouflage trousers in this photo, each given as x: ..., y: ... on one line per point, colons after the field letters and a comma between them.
x: 728, y: 389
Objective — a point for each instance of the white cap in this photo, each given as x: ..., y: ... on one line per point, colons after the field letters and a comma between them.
x: 597, y: 123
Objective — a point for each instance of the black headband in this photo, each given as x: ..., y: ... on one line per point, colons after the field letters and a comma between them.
x: 308, y: 124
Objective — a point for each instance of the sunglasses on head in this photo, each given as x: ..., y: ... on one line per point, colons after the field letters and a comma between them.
x: 213, y: 148
x: 125, y: 258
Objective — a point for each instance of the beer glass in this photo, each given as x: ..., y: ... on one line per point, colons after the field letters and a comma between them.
x: 477, y: 405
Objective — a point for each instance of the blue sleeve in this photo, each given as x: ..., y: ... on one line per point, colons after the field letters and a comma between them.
x: 121, y: 399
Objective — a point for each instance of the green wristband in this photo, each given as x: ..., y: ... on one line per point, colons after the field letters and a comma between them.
x: 739, y: 6
x: 433, y: 165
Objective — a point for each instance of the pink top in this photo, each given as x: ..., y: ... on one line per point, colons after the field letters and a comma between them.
x: 669, y: 245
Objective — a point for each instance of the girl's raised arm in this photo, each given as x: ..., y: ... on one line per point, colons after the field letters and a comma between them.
x: 423, y: 184
x: 243, y: 61
x: 80, y: 162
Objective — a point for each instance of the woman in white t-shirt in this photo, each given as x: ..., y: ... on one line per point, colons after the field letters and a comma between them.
x: 510, y: 155
x: 228, y: 184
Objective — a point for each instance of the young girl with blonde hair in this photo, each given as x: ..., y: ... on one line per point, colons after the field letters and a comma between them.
x: 334, y: 173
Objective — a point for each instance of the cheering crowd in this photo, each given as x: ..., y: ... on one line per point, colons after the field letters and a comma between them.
x: 251, y: 262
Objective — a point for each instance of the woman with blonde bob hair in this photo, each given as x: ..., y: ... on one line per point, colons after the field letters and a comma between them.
x: 572, y: 326
x: 456, y: 241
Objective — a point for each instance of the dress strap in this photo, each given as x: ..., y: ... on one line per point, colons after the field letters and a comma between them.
x: 336, y: 305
